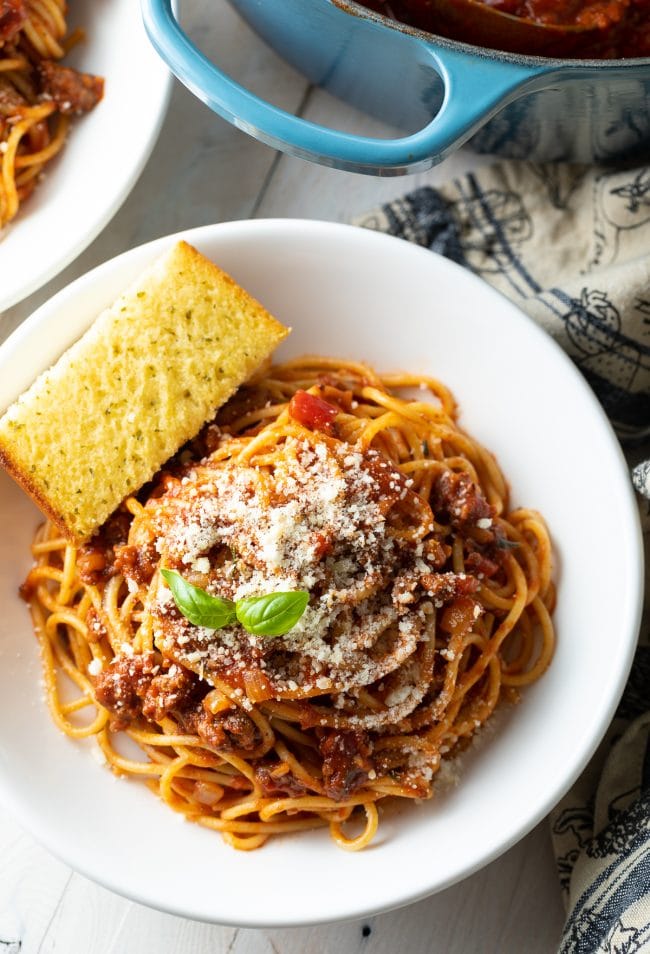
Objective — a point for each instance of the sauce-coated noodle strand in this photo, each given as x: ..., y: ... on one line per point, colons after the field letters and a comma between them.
x: 440, y: 616
x: 37, y: 97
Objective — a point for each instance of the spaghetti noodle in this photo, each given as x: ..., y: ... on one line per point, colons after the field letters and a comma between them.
x: 429, y: 605
x: 37, y: 96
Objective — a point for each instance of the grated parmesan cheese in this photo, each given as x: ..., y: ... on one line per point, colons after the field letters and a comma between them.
x: 315, y: 520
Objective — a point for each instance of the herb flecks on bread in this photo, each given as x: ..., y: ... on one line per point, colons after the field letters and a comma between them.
x: 144, y: 378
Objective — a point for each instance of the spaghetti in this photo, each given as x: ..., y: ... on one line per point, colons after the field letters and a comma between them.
x: 430, y: 604
x: 37, y: 95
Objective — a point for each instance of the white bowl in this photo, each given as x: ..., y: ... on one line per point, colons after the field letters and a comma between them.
x: 84, y: 186
x: 361, y: 295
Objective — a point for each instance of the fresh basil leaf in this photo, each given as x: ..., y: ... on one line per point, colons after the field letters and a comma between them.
x: 273, y: 614
x: 197, y: 605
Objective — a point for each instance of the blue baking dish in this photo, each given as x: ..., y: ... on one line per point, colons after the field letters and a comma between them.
x: 443, y: 93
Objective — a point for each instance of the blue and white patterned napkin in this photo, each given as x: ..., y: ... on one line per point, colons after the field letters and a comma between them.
x: 571, y: 246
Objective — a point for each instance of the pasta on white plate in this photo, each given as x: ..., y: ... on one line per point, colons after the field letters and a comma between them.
x: 313, y: 606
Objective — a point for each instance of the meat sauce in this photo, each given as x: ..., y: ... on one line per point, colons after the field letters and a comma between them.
x: 599, y: 29
x: 72, y: 91
x: 176, y: 680
x: 13, y: 13
x: 142, y: 685
x: 346, y: 762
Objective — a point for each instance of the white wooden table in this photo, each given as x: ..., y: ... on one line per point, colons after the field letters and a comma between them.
x: 204, y: 171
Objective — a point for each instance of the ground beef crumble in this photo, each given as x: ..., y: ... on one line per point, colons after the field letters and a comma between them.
x: 228, y: 731
x: 136, y: 686
x: 71, y: 90
x: 137, y: 563
x: 121, y: 687
x: 96, y: 628
x: 169, y: 692
x: 278, y: 786
x: 346, y: 762
x: 96, y: 559
x: 458, y: 500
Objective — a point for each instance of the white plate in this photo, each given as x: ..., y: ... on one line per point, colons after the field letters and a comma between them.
x: 361, y: 295
x: 105, y: 153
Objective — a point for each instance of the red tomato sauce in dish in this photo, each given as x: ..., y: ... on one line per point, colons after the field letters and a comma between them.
x: 599, y: 29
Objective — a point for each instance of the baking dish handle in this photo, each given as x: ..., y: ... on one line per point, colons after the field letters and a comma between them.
x: 475, y: 88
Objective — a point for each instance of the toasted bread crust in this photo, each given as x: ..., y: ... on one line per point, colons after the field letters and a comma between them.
x: 142, y: 380
x: 33, y: 491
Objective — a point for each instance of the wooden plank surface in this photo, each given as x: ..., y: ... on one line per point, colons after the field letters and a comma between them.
x: 203, y: 170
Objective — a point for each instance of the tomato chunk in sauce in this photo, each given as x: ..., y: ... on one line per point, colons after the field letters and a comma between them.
x: 312, y: 412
